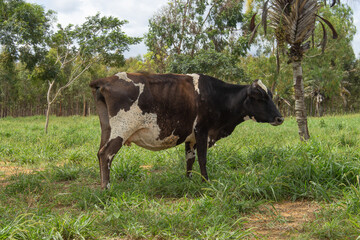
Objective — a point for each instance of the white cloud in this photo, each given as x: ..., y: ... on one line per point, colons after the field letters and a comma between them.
x: 68, y: 6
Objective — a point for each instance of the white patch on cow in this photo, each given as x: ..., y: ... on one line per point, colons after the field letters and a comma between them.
x: 191, y: 138
x: 141, y: 129
x: 211, y: 142
x: 262, y: 85
x: 195, y: 81
x: 190, y: 154
x: 148, y: 138
x: 248, y: 118
x: 123, y: 76
x: 110, y: 157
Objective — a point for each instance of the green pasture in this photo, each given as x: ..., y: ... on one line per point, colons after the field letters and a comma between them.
x: 150, y: 197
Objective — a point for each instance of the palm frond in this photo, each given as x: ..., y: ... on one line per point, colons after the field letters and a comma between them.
x: 252, y: 23
x: 253, y: 33
x: 300, y: 22
x: 335, y: 35
x: 324, y: 39
x: 334, y: 2
x: 276, y: 14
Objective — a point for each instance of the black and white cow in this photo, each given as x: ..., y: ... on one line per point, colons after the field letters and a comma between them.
x: 159, y: 111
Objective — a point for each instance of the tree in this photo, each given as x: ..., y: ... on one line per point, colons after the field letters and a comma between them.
x: 328, y: 71
x: 74, y: 49
x: 186, y: 27
x: 23, y: 29
x: 294, y: 22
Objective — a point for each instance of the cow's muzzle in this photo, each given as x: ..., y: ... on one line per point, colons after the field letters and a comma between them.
x: 278, y: 121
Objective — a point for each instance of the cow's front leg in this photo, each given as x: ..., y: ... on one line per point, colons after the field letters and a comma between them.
x: 106, y: 155
x: 201, y: 136
x: 190, y: 158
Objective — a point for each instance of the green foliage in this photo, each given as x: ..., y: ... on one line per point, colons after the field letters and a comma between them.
x: 188, y: 27
x: 23, y: 30
x: 59, y: 57
x: 210, y: 62
x: 102, y: 37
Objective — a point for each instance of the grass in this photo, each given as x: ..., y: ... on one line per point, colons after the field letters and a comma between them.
x: 150, y: 197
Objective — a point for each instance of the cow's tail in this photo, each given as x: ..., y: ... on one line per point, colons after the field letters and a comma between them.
x: 96, y: 86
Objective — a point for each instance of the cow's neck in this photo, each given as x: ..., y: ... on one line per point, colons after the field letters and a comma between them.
x: 228, y: 101
x: 236, y: 99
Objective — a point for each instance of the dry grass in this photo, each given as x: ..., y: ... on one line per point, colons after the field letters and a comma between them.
x: 281, y: 220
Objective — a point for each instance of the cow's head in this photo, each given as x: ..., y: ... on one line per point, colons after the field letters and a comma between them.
x: 260, y: 106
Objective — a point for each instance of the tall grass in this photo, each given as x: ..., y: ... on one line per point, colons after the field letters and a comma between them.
x: 150, y: 197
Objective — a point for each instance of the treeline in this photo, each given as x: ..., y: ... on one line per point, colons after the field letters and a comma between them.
x: 210, y: 37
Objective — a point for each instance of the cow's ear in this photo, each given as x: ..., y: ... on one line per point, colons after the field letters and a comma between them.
x: 254, y: 90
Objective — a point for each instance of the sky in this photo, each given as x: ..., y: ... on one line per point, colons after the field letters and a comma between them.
x: 138, y: 13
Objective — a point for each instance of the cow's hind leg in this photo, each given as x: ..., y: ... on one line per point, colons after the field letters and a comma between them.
x: 106, y: 155
x: 201, y: 135
x: 107, y: 149
x: 190, y: 158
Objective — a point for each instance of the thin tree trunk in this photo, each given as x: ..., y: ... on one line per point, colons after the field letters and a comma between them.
x: 85, y: 113
x: 47, y: 117
x: 300, y: 109
x: 49, y: 102
x: 60, y: 109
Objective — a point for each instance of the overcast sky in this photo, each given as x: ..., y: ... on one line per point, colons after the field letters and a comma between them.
x: 137, y: 12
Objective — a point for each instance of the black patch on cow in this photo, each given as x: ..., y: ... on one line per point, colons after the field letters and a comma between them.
x: 173, y: 99
x: 220, y: 107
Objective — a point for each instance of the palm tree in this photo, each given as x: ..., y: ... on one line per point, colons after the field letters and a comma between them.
x: 294, y: 22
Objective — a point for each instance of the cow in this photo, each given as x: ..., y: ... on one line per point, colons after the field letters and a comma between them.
x: 160, y: 111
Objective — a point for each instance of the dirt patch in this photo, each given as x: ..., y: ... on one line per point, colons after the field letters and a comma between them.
x: 147, y: 167
x: 7, y: 171
x: 281, y: 220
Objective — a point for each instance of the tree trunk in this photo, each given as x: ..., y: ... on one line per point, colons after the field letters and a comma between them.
x: 300, y: 109
x: 51, y: 84
x: 47, y: 117
x: 85, y: 108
